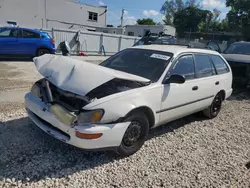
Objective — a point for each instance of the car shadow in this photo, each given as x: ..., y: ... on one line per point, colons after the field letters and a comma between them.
x: 29, y: 154
x: 240, y: 95
x: 16, y: 59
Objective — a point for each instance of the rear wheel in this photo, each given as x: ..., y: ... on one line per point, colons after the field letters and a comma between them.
x: 213, y: 110
x: 42, y: 51
x: 135, y: 134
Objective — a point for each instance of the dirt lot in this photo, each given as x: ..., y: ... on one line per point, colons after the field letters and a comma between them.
x: 191, y: 152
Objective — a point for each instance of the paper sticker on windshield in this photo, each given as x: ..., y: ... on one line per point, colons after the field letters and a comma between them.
x: 160, y: 56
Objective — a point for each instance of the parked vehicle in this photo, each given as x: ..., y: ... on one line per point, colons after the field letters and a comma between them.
x: 238, y: 56
x: 161, y: 38
x: 116, y: 103
x: 25, y: 42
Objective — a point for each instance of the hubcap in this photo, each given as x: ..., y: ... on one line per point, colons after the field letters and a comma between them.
x: 216, y: 104
x: 132, y: 134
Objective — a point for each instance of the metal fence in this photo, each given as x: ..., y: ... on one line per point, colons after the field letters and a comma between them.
x: 91, y: 43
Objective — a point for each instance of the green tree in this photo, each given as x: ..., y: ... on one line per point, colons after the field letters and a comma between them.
x: 239, y: 16
x: 213, y: 23
x: 147, y: 21
x: 188, y: 19
x: 170, y: 7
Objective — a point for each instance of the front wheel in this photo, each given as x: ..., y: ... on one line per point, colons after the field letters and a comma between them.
x: 213, y: 110
x: 135, y: 134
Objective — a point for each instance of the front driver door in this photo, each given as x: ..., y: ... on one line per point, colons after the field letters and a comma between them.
x: 9, y: 41
x: 179, y: 100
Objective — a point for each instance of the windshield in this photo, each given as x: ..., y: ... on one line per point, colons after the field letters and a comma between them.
x: 238, y: 48
x: 149, y: 64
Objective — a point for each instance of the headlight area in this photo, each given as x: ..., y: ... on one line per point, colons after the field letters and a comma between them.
x: 35, y: 90
x: 89, y: 117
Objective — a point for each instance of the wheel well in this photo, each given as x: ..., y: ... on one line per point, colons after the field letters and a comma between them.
x: 148, y: 112
x: 40, y: 48
x: 223, y: 94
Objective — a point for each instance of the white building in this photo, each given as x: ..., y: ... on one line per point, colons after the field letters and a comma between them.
x: 140, y: 30
x: 52, y: 13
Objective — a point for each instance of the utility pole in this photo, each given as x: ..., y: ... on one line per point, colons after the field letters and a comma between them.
x: 123, y: 11
x: 45, y: 13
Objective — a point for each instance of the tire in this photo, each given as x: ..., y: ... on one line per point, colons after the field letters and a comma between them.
x: 135, y: 134
x: 42, y: 51
x: 214, y: 109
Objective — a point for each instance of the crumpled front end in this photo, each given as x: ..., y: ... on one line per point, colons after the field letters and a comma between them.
x: 86, y: 136
x: 57, y: 102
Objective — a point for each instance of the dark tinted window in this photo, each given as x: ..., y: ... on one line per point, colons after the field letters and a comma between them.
x: 219, y: 64
x: 238, y: 48
x: 184, y: 66
x: 9, y: 33
x: 149, y: 64
x: 30, y: 34
x: 203, y: 66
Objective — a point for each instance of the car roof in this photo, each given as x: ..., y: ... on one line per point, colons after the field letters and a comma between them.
x: 34, y: 30
x: 175, y: 49
x: 241, y: 42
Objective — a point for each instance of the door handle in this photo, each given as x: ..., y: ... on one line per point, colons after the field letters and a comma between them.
x: 217, y: 83
x: 195, y: 88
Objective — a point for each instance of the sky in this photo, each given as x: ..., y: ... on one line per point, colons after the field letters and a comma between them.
x: 138, y: 9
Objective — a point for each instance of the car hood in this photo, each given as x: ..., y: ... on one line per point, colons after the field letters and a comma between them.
x: 77, y: 76
x: 237, y: 58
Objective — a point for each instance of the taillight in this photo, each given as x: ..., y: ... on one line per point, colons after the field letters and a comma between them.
x: 52, y: 41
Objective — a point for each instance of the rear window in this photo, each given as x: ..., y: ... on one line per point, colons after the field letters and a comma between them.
x: 149, y: 64
x: 203, y: 66
x: 219, y: 64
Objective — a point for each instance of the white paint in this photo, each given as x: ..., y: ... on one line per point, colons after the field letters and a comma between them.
x: 156, y: 96
x: 77, y: 76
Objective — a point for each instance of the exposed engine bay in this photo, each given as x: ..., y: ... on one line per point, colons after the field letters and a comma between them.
x: 50, y: 93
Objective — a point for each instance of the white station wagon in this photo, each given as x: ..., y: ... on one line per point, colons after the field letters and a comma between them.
x: 116, y: 103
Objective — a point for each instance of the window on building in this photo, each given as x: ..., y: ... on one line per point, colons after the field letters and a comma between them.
x: 30, y: 34
x: 93, y: 16
x: 184, y: 66
x: 105, y: 31
x: 131, y: 33
x: 203, y: 66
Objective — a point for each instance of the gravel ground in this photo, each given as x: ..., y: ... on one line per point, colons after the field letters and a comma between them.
x: 190, y: 152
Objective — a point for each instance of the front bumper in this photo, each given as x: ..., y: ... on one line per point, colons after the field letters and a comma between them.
x: 44, y: 119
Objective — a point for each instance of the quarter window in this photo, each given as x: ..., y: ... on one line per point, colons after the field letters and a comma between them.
x: 93, y: 16
x: 219, y: 64
x: 184, y: 66
x: 29, y: 34
x: 203, y: 66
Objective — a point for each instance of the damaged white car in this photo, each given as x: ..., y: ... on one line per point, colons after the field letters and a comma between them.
x: 116, y: 103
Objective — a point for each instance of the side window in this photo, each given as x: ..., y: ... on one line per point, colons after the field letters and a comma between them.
x: 219, y: 64
x: 184, y: 66
x: 30, y: 34
x: 9, y: 33
x: 203, y: 66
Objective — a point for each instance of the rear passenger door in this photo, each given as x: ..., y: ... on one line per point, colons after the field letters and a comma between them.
x: 223, y: 73
x: 206, y: 80
x: 30, y: 41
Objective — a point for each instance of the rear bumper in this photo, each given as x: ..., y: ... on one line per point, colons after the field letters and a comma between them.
x: 228, y: 93
x: 45, y: 120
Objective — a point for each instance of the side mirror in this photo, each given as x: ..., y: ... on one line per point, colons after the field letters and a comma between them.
x: 175, y: 78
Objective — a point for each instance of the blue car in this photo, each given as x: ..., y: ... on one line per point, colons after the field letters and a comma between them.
x: 16, y: 41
